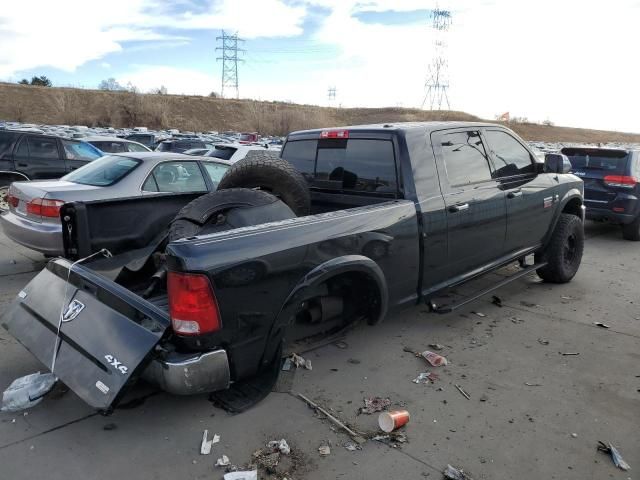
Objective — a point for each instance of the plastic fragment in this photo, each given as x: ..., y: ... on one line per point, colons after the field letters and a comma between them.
x: 434, y: 359
x: 480, y: 314
x: 601, y: 325
x: 299, y: 361
x: 205, y: 446
x: 426, y: 377
x: 324, y: 450
x: 616, y: 456
x: 223, y: 461
x: 453, y: 473
x: 27, y: 391
x: 436, y: 346
x: 246, y: 475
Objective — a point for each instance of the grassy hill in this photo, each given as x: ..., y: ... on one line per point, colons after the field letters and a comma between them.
x: 70, y: 106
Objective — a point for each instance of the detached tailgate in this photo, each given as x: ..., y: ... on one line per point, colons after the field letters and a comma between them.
x: 106, y: 338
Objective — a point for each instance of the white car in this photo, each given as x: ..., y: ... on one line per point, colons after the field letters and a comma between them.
x: 232, y: 152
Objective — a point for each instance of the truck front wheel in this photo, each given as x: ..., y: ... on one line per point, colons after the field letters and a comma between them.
x: 563, y: 253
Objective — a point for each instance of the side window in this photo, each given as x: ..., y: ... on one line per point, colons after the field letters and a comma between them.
x: 465, y: 158
x: 6, y: 143
x: 365, y: 165
x: 40, y: 147
x: 150, y: 184
x: 302, y: 155
x: 23, y: 148
x: 215, y: 171
x: 80, y: 151
x: 179, y: 177
x: 510, y: 156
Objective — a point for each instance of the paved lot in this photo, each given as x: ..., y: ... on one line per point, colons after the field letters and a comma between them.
x: 507, y: 430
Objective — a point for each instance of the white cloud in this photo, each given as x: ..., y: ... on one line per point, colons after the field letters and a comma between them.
x: 105, y: 65
x: 67, y: 34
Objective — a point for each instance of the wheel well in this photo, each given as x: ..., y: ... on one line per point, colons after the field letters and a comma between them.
x: 573, y: 207
x: 360, y: 294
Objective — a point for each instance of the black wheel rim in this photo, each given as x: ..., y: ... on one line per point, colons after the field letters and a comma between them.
x: 570, y: 250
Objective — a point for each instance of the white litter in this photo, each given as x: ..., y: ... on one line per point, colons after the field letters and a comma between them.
x: 249, y: 475
x: 205, y: 446
x: 27, y: 391
x: 280, y: 445
x: 222, y: 461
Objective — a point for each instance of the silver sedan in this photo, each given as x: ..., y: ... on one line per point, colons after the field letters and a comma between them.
x: 33, y: 219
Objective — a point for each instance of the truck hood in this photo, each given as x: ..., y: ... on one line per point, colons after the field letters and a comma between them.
x: 107, y: 335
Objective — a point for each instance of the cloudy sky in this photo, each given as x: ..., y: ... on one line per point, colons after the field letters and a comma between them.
x: 572, y: 62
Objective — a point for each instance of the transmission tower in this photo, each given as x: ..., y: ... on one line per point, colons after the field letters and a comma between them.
x: 230, y: 61
x: 437, y: 82
x: 331, y: 93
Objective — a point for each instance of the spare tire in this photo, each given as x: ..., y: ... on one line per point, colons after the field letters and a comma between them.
x: 266, y: 171
x: 227, y: 209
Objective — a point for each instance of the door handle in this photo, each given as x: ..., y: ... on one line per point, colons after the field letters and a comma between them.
x: 458, y: 207
x: 514, y: 194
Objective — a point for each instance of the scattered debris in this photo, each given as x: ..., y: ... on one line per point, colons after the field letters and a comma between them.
x: 566, y: 354
x: 436, y: 346
x: 248, y: 475
x: 574, y: 435
x: 390, y: 421
x: 353, y: 361
x: 496, y: 300
x: 27, y: 391
x: 601, y: 325
x: 484, y: 397
x: 223, y: 461
x: 393, y: 439
x: 280, y: 445
x: 434, y: 359
x: 110, y: 426
x: 359, y: 439
x: 342, y: 345
x: 480, y: 314
x: 352, y: 447
x: 205, y: 446
x: 374, y: 404
x: 298, y: 361
x: 286, y: 366
x: 543, y: 341
x: 426, y: 377
x: 529, y: 384
x: 618, y: 461
x: 324, y: 450
x: 464, y: 394
x: 453, y: 473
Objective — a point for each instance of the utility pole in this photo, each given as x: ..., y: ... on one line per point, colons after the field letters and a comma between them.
x: 331, y: 94
x: 230, y: 61
x: 437, y: 82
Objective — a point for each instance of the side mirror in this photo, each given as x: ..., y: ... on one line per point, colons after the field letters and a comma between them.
x: 556, y: 163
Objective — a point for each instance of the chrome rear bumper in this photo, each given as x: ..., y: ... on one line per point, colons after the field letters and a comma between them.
x: 182, y: 374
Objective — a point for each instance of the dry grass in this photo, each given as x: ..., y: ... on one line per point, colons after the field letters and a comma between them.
x: 125, y: 109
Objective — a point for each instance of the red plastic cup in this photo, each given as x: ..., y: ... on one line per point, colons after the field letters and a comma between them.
x: 390, y: 421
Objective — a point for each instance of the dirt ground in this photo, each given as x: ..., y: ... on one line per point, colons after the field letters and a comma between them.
x: 532, y: 414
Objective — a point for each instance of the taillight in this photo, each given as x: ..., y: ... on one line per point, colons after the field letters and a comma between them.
x: 192, y: 305
x: 623, y: 181
x: 334, y: 134
x: 43, y: 207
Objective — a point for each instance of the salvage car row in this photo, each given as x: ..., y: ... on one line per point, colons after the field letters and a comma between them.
x: 202, y: 292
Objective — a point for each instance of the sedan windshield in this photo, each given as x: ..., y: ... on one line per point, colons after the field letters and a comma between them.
x: 103, y: 172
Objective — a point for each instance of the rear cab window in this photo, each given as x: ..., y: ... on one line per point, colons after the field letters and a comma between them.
x: 346, y: 165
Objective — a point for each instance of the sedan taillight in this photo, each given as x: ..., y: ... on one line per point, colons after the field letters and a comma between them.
x: 44, y: 207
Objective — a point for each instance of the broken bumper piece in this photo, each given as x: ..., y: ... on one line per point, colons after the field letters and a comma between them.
x: 182, y: 374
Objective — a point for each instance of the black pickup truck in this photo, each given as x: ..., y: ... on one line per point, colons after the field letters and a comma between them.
x: 396, y: 215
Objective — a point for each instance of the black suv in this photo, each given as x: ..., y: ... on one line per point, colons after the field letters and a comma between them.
x: 32, y: 156
x: 611, y: 185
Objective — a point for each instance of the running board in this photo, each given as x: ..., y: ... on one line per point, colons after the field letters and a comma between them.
x: 454, y: 306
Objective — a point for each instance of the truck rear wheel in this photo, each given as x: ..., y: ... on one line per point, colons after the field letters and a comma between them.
x: 631, y: 231
x: 227, y: 209
x: 268, y: 172
x: 563, y: 254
